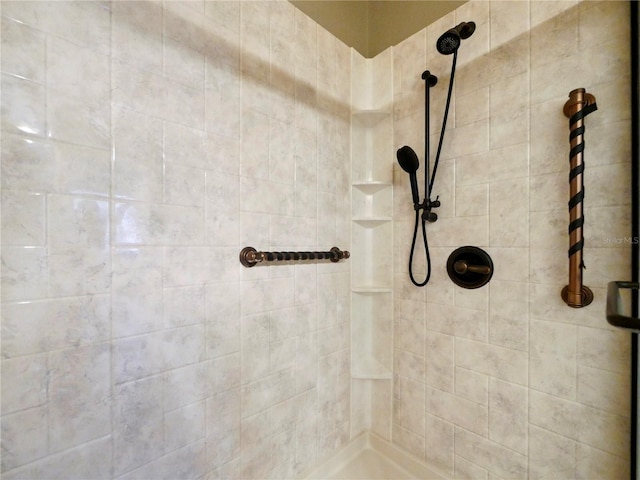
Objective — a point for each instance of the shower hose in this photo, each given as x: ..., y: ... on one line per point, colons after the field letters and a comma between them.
x: 427, y: 215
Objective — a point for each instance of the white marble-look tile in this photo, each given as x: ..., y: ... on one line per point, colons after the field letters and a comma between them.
x: 223, y: 435
x: 183, y: 346
x: 542, y: 12
x: 408, y: 406
x: 26, y: 382
x: 183, y: 64
x: 223, y: 99
x: 408, y: 328
x: 24, y: 437
x: 184, y: 104
x: 79, y: 390
x: 186, y: 462
x: 184, y: 426
x: 604, y: 349
x: 28, y: 163
x: 439, y: 361
x: 223, y: 319
x: 137, y: 169
x: 439, y: 442
x: 83, y: 23
x: 457, y: 321
x: 490, y: 455
x: 508, y: 314
x: 185, y: 386
x: 267, y: 392
x: 467, y: 469
x: 138, y: 434
x: 592, y: 461
x: 136, y: 34
x: 184, y: 185
x: 459, y: 411
x: 552, y: 39
x: 76, y: 70
x: 185, y: 24
x: 471, y: 385
x: 23, y: 219
x: 410, y: 365
x: 508, y: 415
x: 137, y: 291
x: 503, y: 363
x: 73, y: 119
x: 306, y: 370
x: 23, y: 51
x: 604, y: 390
x: 605, y: 431
x: 27, y: 326
x: 408, y: 440
x: 156, y: 224
x: 89, y: 460
x: 508, y: 21
x: 23, y: 106
x: 184, y: 306
x: 553, y: 359
x: 255, y: 348
x: 138, y: 357
x: 551, y: 455
x: 472, y: 200
x: 77, y: 223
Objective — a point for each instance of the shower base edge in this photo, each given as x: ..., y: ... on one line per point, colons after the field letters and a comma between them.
x: 370, y: 457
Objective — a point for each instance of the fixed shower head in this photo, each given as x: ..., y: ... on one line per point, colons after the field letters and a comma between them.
x: 450, y: 40
x: 409, y: 162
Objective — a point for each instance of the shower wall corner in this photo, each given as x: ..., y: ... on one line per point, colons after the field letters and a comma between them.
x: 372, y: 234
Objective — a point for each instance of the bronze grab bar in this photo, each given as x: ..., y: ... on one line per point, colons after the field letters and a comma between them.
x: 614, y: 317
x: 579, y: 105
x: 250, y: 257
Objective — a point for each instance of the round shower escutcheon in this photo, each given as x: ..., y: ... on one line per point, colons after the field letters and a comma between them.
x: 470, y: 267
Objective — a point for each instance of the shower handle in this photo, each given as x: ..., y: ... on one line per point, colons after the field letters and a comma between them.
x: 463, y: 267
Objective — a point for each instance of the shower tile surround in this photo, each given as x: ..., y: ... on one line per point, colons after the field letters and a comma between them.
x: 507, y: 381
x: 145, y: 143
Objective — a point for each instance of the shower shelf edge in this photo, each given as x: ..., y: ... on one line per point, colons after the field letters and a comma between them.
x: 371, y: 221
x: 370, y: 117
x: 370, y: 187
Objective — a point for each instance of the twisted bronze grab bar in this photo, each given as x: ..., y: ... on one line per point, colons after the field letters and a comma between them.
x: 579, y: 105
x: 250, y: 257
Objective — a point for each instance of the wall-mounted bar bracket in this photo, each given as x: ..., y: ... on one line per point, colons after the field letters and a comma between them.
x: 250, y: 257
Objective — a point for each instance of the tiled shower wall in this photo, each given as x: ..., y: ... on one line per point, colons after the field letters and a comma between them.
x: 143, y: 145
x: 506, y: 381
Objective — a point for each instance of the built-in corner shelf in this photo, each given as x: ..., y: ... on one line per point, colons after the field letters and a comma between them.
x: 372, y: 157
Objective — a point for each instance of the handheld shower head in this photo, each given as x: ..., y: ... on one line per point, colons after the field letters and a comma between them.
x: 409, y: 162
x: 450, y: 40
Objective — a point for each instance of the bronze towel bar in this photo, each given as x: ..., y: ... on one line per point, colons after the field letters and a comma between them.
x: 579, y: 105
x: 249, y: 256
